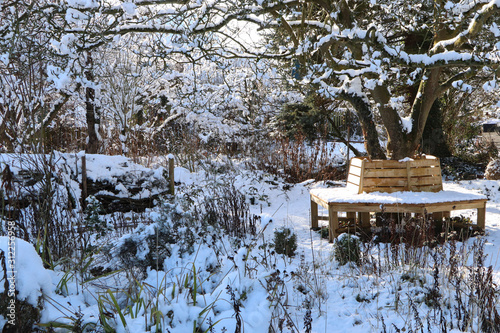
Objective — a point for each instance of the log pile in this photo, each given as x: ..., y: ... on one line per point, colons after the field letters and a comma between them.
x: 119, y: 184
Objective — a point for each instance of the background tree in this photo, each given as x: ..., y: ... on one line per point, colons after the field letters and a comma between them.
x: 32, y: 88
x: 391, y: 59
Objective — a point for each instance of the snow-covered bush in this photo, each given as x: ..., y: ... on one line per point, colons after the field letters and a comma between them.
x: 27, y: 281
x: 285, y: 242
x: 347, y: 249
x: 148, y: 246
x: 493, y: 170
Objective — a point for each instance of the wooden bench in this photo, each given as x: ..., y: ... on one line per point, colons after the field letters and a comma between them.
x: 407, y: 186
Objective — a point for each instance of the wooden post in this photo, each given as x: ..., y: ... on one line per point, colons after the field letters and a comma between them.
x: 84, y: 182
x: 437, y: 216
x: 351, y: 216
x: 171, y: 178
x: 314, y: 215
x: 365, y: 220
x: 408, y: 175
x: 481, y: 217
x: 362, y: 176
x: 333, y: 224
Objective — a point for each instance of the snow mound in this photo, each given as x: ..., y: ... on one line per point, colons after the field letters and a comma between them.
x: 493, y: 170
x: 31, y: 278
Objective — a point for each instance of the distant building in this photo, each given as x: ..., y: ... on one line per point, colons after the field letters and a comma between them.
x: 491, y: 131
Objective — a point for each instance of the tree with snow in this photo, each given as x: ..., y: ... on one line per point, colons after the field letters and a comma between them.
x: 391, y: 60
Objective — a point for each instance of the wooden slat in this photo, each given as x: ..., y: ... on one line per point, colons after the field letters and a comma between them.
x: 398, y: 173
x: 392, y: 164
x: 385, y: 173
x: 426, y: 181
x: 415, y: 172
x: 423, y: 163
x: 408, y: 208
x: 362, y: 181
x: 354, y: 170
x: 352, y: 187
x: 428, y: 188
x: 455, y: 205
x: 385, y: 189
x: 385, y: 164
x: 314, y: 214
x: 375, y: 182
x: 357, y: 161
x: 409, y: 182
x: 353, y: 179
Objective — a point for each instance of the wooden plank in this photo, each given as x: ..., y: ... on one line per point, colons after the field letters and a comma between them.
x: 357, y: 161
x: 363, y: 176
x: 481, y: 216
x: 353, y: 179
x: 407, y: 208
x: 455, y: 205
x: 385, y: 189
x: 333, y: 224
x: 319, y: 201
x: 364, y: 218
x: 385, y: 164
x: 384, y: 173
x: 354, y: 170
x: 314, y: 214
x: 428, y: 188
x: 415, y: 172
x: 408, y: 176
x: 426, y: 181
x: 424, y: 163
x: 376, y: 207
x: 389, y: 164
x: 376, y: 182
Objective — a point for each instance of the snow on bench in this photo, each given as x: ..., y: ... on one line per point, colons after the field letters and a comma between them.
x: 391, y: 196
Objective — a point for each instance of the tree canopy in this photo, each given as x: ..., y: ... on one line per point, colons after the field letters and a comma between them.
x: 390, y: 60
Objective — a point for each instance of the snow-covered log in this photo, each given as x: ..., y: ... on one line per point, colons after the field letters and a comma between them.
x: 116, y: 181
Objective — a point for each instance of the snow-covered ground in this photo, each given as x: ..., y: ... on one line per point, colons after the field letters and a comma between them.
x: 246, y: 284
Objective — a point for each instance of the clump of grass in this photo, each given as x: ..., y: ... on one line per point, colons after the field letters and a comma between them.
x: 285, y: 242
x: 347, y: 249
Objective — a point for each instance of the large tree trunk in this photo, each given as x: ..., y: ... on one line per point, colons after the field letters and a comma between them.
x: 434, y: 138
x: 365, y: 116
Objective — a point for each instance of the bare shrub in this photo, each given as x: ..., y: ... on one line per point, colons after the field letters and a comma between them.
x: 226, y: 207
x: 297, y: 161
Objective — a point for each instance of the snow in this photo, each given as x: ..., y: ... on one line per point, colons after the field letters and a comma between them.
x: 450, y: 193
x: 338, y: 289
x: 407, y: 123
x: 129, y: 8
x: 31, y: 278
